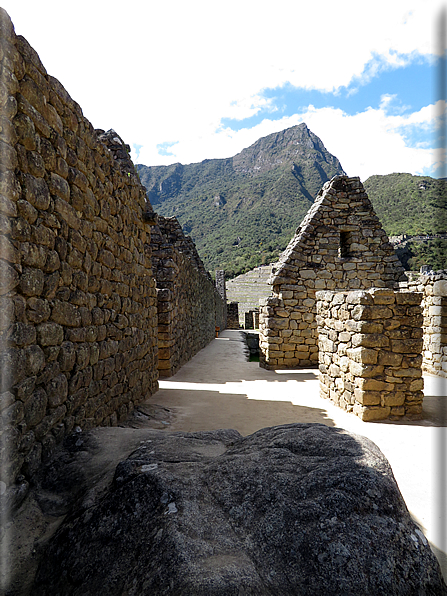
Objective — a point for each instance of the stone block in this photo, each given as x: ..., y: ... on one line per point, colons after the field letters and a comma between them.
x: 370, y: 340
x: 371, y: 313
x: 287, y: 347
x: 393, y: 399
x: 35, y: 191
x: 389, y: 358
x: 349, y: 266
x: 67, y: 212
x: 345, y: 336
x: 59, y: 187
x: 408, y: 298
x: 382, y: 296
x: 417, y: 385
x: 35, y: 407
x: 32, y: 281
x: 397, y: 411
x: 408, y: 346
x: 302, y: 351
x: 279, y: 324
x: 367, y: 398
x: 371, y: 413
x: 57, y: 391
x: 414, y: 411
x: 326, y: 345
x: 372, y: 384
x: 275, y: 354
x: 66, y: 314
x: 365, y: 371
x: 307, y: 274
x: 363, y: 355
x: 291, y: 362
x: 440, y: 288
x: 50, y: 334
x: 22, y: 334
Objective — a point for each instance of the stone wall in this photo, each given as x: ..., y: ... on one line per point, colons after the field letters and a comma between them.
x: 370, y: 352
x: 433, y: 286
x: 189, y: 305
x: 339, y: 245
x: 222, y: 291
x: 77, y: 294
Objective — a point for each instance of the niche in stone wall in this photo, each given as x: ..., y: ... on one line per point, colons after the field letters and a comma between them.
x: 344, y: 249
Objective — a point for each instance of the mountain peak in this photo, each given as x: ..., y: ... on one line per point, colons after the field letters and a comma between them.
x: 242, y: 211
x: 283, y: 148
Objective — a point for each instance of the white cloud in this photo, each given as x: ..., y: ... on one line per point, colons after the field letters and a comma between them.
x: 161, y: 72
x: 367, y: 143
x: 370, y: 142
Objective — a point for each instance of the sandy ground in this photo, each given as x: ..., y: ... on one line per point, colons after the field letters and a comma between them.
x: 218, y: 388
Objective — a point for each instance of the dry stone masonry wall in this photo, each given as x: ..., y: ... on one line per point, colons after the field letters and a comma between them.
x: 79, y: 328
x: 434, y: 306
x: 189, y: 305
x: 339, y: 245
x: 370, y: 346
x: 78, y: 298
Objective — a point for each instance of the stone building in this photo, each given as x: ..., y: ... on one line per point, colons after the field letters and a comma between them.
x: 340, y: 245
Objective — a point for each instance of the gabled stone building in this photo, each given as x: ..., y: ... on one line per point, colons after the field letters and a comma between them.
x: 340, y: 245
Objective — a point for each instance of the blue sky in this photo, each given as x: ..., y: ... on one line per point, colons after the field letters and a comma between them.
x: 186, y: 81
x: 357, y: 97
x: 396, y: 91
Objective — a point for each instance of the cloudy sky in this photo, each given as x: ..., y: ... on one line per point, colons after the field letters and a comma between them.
x: 187, y: 80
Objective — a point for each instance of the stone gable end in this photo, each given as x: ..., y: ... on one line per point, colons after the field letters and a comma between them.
x: 340, y: 245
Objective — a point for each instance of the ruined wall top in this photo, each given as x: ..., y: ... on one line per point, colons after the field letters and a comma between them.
x: 168, y: 231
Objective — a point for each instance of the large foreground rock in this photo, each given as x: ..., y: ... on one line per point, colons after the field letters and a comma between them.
x: 298, y: 509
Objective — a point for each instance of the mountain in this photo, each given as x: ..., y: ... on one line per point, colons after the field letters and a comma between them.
x: 414, y: 206
x: 409, y: 204
x: 242, y: 211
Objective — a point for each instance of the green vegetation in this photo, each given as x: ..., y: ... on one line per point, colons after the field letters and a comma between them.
x: 242, y: 211
x: 407, y: 204
x: 413, y: 205
x: 432, y: 253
